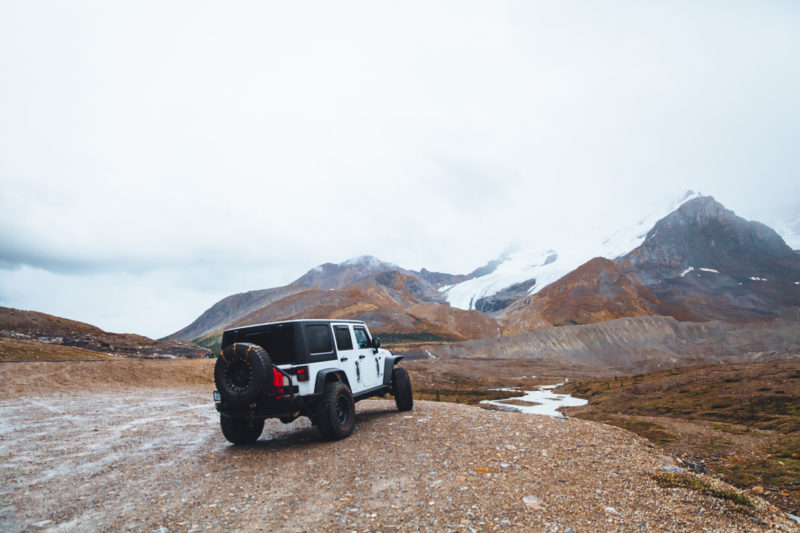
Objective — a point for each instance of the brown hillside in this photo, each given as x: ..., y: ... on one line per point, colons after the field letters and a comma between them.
x: 230, y: 309
x: 385, y: 309
x: 375, y: 306
x: 597, y: 291
x: 19, y: 350
x: 40, y: 324
x: 402, y: 288
x: 465, y: 324
x: 53, y: 330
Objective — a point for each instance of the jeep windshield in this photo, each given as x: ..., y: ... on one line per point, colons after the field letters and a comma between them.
x: 278, y: 340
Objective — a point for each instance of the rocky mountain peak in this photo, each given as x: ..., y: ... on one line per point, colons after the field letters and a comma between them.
x: 338, y: 275
x: 703, y: 233
x: 703, y: 261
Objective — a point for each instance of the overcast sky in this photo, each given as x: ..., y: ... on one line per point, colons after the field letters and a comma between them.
x: 158, y: 156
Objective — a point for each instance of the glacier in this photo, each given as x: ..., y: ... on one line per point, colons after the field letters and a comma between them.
x: 547, y: 266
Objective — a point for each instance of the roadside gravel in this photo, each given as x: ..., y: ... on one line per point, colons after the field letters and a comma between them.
x: 154, y: 459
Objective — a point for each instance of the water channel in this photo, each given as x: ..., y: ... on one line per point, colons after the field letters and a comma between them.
x: 542, y: 401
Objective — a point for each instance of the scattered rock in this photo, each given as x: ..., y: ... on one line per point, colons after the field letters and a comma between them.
x: 697, y: 467
x: 534, y: 503
x: 758, y: 489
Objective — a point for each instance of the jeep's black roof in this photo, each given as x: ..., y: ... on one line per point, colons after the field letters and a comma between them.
x: 298, y: 321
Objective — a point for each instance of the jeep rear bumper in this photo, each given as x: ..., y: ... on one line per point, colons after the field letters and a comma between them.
x: 266, y: 407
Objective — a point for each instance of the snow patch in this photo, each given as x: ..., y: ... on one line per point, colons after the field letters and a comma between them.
x: 430, y: 355
x: 757, y: 278
x: 709, y: 270
x: 690, y: 269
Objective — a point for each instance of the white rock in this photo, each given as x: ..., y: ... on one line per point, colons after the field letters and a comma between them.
x: 534, y: 503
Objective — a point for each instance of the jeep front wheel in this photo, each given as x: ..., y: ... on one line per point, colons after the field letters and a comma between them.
x: 241, y: 430
x: 401, y: 388
x: 336, y: 411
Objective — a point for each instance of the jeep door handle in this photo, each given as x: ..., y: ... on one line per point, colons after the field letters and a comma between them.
x: 343, y: 359
x: 361, y: 356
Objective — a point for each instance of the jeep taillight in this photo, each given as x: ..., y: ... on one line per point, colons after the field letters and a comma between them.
x: 278, y: 379
x: 302, y: 373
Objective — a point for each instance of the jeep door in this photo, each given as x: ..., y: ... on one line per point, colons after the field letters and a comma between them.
x: 369, y: 363
x: 348, y: 356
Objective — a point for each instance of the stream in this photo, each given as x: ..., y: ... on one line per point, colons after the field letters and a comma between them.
x: 542, y: 401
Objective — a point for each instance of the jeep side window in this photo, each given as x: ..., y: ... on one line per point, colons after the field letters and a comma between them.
x: 343, y: 339
x: 362, y: 338
x: 319, y: 338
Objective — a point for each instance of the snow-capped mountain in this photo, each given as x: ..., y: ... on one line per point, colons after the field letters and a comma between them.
x: 531, y: 270
x: 701, y: 262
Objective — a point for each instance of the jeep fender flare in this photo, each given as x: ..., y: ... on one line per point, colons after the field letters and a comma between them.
x: 388, y: 366
x: 329, y: 374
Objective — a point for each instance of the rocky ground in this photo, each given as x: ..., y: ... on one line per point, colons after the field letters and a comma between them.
x: 151, y: 457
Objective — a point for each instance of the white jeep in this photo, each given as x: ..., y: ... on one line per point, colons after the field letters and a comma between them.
x: 313, y: 368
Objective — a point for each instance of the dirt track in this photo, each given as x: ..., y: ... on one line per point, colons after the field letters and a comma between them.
x: 152, y: 457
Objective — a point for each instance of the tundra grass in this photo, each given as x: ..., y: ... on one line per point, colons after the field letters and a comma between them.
x: 754, y: 408
x: 738, y: 502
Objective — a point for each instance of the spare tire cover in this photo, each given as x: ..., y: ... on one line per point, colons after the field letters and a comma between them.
x: 242, y: 373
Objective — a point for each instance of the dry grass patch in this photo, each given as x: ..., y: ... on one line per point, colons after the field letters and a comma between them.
x: 737, y: 501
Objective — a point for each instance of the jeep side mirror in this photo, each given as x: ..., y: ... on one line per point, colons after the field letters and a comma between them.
x: 376, y: 343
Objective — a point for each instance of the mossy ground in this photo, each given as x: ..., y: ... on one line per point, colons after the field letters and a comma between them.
x: 741, y: 420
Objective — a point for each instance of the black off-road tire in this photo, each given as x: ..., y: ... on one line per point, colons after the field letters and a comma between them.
x: 336, y: 411
x: 401, y: 388
x: 242, y: 373
x: 241, y: 430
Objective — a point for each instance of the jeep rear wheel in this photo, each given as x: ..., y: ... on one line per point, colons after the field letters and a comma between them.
x: 401, y: 388
x: 335, y: 411
x: 241, y: 430
x: 242, y: 373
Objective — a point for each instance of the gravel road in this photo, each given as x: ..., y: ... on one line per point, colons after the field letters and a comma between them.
x: 154, y: 459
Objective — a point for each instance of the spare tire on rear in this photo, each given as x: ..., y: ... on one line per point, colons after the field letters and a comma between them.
x: 242, y: 373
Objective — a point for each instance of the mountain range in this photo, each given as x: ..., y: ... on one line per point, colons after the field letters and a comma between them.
x: 697, y: 262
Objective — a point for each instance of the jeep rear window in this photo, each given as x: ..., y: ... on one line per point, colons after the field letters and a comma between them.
x: 277, y: 340
x: 343, y: 339
x: 319, y: 339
